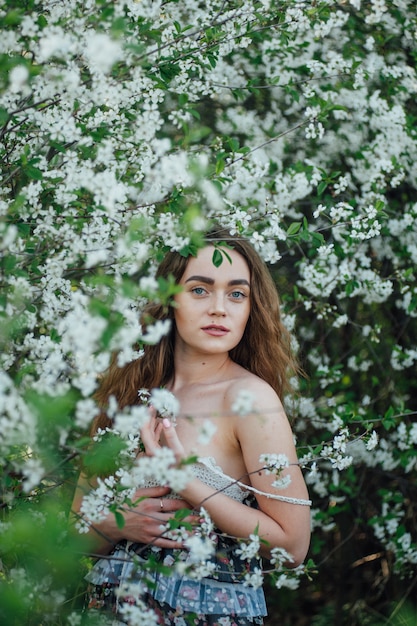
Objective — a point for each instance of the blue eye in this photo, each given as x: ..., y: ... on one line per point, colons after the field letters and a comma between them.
x: 199, y: 291
x: 237, y: 295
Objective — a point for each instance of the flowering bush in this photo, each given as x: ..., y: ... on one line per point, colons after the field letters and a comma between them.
x: 126, y: 127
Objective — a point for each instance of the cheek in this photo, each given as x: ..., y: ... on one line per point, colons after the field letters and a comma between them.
x: 182, y: 316
x: 246, y: 314
x: 241, y: 326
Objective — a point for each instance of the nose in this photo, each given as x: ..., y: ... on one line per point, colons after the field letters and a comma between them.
x: 217, y: 305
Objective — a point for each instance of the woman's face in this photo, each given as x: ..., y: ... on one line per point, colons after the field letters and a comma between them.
x: 214, y: 306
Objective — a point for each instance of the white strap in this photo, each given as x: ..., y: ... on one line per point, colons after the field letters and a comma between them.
x: 217, y: 471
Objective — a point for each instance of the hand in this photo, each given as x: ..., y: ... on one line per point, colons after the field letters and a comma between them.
x: 158, y: 429
x: 145, y: 521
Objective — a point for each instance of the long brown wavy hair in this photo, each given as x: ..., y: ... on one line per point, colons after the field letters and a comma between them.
x: 264, y: 350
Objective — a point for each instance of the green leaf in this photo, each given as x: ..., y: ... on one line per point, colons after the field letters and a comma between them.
x: 120, y: 519
x: 388, y: 420
x: 42, y: 21
x: 293, y: 228
x: 13, y: 17
x: 4, y: 116
x: 350, y: 287
x: 189, y: 250
x: 321, y: 187
x: 195, y: 114
x: 33, y: 172
x: 317, y: 239
x: 182, y: 99
x: 103, y: 457
x: 233, y: 144
x: 217, y: 258
x: 212, y: 60
x: 119, y: 26
x: 220, y: 163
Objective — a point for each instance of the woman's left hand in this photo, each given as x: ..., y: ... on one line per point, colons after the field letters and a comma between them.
x: 159, y: 430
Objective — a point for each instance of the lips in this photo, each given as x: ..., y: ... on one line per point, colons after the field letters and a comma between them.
x: 215, y: 330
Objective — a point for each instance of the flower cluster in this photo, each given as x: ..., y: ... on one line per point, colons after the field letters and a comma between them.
x: 243, y: 404
x: 96, y: 504
x: 132, y: 607
x: 159, y: 469
x: 165, y: 403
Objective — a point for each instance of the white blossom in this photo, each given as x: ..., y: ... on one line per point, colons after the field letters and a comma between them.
x: 18, y: 77
x: 165, y: 403
x: 254, y: 579
x: 243, y: 404
x: 200, y: 548
x: 372, y: 441
x: 286, y: 581
x: 101, y: 52
x: 206, y: 432
x: 132, y: 607
x: 33, y: 472
x: 249, y: 550
x: 158, y: 330
x: 279, y: 556
x: 274, y: 463
x: 131, y: 420
x: 86, y: 411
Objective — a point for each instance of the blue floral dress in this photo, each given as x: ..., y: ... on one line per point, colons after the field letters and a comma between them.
x: 218, y: 600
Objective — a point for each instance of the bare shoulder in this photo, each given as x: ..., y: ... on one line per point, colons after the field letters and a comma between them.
x: 249, y: 387
x: 262, y: 426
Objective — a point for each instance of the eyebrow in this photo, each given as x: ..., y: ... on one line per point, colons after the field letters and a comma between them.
x: 210, y: 281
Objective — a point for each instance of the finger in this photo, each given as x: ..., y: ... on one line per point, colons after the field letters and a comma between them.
x: 153, y: 421
x: 150, y: 434
x: 172, y: 439
x: 175, y: 505
x: 187, y: 516
x: 156, y: 432
x: 193, y: 521
x: 149, y: 425
x: 161, y: 542
x: 148, y: 442
x: 183, y: 515
x: 154, y: 492
x: 183, y: 504
x: 155, y: 425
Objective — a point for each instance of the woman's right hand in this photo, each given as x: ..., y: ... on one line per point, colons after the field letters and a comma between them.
x: 145, y: 522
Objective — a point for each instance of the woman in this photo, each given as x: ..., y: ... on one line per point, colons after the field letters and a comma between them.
x: 227, y: 338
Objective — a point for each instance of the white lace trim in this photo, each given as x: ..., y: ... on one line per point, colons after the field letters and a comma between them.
x: 210, y: 463
x: 212, y: 475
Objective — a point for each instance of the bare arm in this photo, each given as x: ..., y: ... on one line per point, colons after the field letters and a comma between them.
x: 231, y: 518
x: 286, y: 525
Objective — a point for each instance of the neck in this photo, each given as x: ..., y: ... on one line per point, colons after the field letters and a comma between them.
x: 199, y: 368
